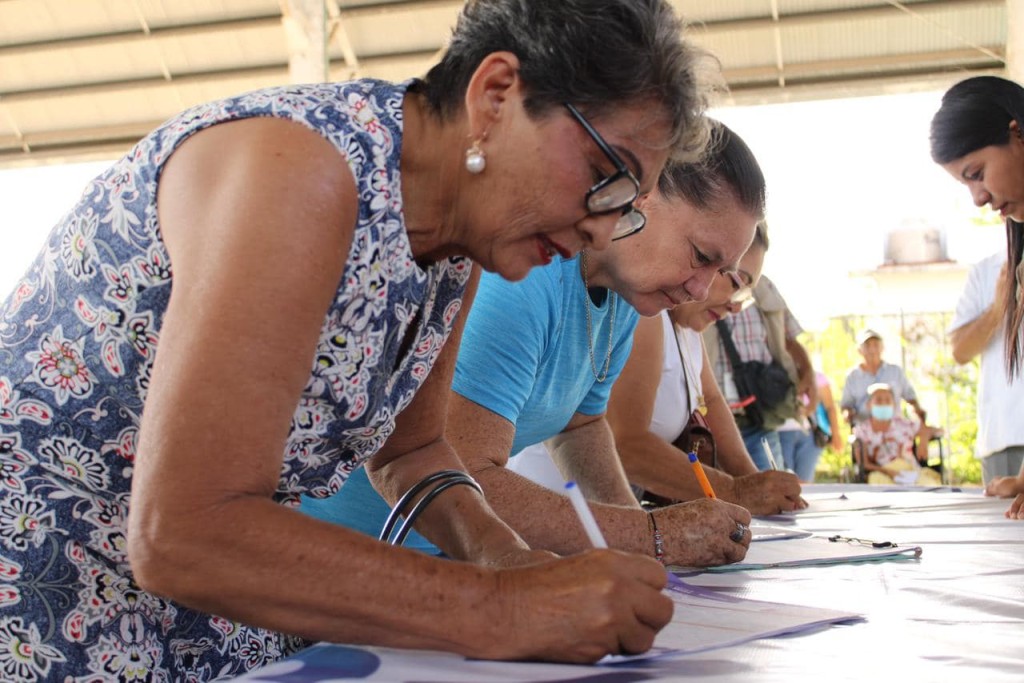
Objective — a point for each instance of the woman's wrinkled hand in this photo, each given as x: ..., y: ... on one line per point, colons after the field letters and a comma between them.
x: 768, y: 493
x: 580, y: 608
x: 700, y: 533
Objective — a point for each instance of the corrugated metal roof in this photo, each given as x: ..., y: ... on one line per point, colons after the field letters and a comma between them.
x: 77, y: 76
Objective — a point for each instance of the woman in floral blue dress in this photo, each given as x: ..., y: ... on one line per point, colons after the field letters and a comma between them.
x: 256, y: 300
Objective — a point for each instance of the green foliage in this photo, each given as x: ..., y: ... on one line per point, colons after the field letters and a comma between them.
x: 837, y: 348
x: 832, y: 466
x: 960, y: 383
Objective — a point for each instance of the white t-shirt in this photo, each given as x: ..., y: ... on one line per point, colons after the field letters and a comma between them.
x: 673, y: 404
x: 999, y: 401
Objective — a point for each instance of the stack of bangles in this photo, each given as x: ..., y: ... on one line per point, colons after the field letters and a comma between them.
x: 445, y: 479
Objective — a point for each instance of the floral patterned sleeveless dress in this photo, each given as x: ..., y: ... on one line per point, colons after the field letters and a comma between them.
x: 78, y: 336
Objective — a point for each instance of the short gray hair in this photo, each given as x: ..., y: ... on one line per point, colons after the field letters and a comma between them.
x: 595, y: 54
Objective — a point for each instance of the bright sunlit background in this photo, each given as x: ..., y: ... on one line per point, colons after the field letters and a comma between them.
x: 841, y: 175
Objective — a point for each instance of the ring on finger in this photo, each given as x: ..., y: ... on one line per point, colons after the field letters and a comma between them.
x: 738, y: 533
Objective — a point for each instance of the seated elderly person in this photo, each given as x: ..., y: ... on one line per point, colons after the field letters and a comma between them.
x: 890, y: 447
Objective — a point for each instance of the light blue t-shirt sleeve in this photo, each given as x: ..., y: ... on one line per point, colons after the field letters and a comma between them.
x: 506, y: 337
x: 525, y: 355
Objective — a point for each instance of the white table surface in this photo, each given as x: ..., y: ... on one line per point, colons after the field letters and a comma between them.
x: 954, y: 614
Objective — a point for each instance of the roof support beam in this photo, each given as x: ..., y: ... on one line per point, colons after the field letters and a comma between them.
x: 867, y: 67
x: 882, y: 9
x: 269, y: 71
x: 780, y: 64
x: 305, y: 27
x: 109, y: 38
x: 857, y: 77
x: 196, y: 28
x: 1015, y: 40
x: 336, y: 33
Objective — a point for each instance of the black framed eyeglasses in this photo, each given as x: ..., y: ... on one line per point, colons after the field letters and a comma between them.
x: 617, y: 192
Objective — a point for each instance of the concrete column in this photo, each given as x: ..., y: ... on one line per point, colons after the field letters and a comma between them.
x: 1015, y: 40
x: 305, y: 27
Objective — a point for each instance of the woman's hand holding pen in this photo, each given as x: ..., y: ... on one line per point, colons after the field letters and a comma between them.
x: 580, y: 608
x: 700, y: 533
x: 766, y: 493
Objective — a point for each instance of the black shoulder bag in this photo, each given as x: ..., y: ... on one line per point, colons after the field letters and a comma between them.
x: 767, y: 383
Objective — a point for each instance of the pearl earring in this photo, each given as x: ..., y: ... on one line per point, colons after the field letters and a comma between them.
x: 476, y: 160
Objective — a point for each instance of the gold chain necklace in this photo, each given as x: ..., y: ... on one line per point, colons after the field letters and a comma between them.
x: 702, y: 406
x: 603, y: 375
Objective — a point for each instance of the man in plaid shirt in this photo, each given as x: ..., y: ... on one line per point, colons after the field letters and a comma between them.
x: 755, y: 331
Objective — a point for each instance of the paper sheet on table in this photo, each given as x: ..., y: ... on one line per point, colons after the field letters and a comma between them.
x: 703, y: 620
x: 708, y: 620
x: 813, y: 550
x: 881, y: 499
x: 834, y: 502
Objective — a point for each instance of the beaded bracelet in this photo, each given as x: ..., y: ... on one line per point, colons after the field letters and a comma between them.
x: 659, y: 540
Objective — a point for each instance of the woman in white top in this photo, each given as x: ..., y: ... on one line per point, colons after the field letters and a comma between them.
x: 667, y: 378
x: 977, y: 136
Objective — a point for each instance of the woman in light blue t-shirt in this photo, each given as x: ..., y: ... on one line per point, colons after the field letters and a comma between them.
x: 539, y: 357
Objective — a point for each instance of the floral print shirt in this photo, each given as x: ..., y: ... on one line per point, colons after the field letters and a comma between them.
x: 889, y: 445
x: 78, y: 336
